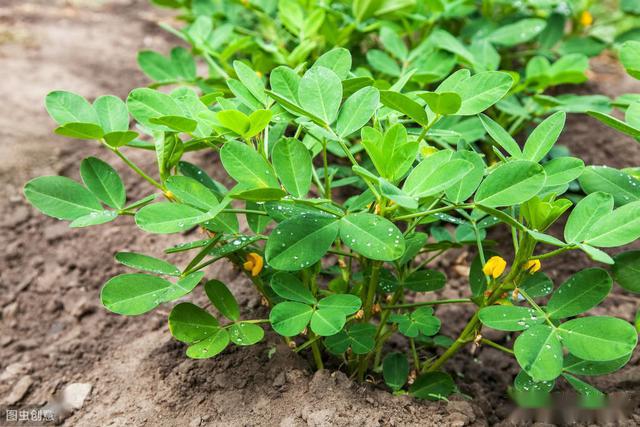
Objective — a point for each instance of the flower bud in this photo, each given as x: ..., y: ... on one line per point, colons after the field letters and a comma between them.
x: 494, y: 267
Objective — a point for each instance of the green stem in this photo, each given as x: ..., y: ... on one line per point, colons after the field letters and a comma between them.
x: 496, y: 345
x: 433, y: 211
x: 315, y: 350
x: 371, y: 290
x: 245, y: 211
x: 414, y: 353
x: 137, y: 169
x: 553, y: 253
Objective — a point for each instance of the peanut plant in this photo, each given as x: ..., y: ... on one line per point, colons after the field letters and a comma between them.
x: 355, y: 169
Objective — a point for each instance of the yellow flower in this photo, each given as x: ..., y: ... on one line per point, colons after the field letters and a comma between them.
x: 169, y: 195
x: 253, y: 263
x: 586, y: 19
x: 533, y: 265
x: 494, y: 267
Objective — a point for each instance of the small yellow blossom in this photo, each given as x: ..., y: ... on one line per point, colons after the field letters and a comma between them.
x: 586, y: 19
x: 253, y: 263
x: 169, y: 195
x: 494, y: 267
x: 533, y: 265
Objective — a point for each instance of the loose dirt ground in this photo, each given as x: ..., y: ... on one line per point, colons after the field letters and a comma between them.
x: 54, y: 331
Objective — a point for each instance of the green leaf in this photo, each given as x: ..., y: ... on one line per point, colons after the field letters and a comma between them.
x: 372, y: 236
x: 623, y: 187
x: 167, y: 217
x: 382, y: 62
x: 119, y: 138
x: 395, y: 370
x: 234, y: 120
x: 156, y: 66
x: 183, y: 286
x: 147, y: 263
x: 598, y: 338
x: 578, y: 366
x: 326, y: 321
x: 61, y: 197
x: 68, y: 107
x: 392, y: 154
x: 482, y: 90
x: 144, y: 104
x: 189, y: 323
x: 626, y: 270
x: 209, y: 347
x: 425, y: 280
x: 443, y: 103
x: 537, y: 285
x: 80, y: 131
x: 112, y: 113
x: 405, y: 105
x: 544, y: 136
x: 463, y: 189
x: 510, y: 318
x: 345, y: 303
x: 94, y: 218
x: 290, y: 318
x: 244, y: 333
x: 289, y: 287
x: 285, y: 82
x: 539, y: 353
x: 511, y: 183
x: 134, y: 294
x: 320, y: 93
x: 222, y: 299
x: 292, y: 164
x: 177, y: 123
x: 563, y: 170
x: 259, y: 120
x: 630, y: 57
x: 103, y: 181
x: 301, y: 241
x: 357, y: 111
x: 192, y: 192
x: 251, y: 81
x: 617, y: 228
x: 435, y: 174
x: 615, y: 123
x: 432, y: 386
x: 337, y: 60
x: 393, y: 43
x: 587, y: 212
x: 247, y: 166
x: 517, y: 33
x: 362, y: 337
x: 501, y: 136
x: 581, y: 292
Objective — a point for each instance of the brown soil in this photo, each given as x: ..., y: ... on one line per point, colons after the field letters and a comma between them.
x: 54, y: 331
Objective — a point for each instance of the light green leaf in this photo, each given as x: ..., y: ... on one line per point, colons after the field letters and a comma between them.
x: 144, y: 104
x: 630, y: 57
x: 103, y: 181
x: 285, y: 82
x: 405, y: 105
x: 337, y: 60
x: 345, y: 303
x: 357, y: 111
x: 247, y: 166
x: 436, y: 174
x: 251, y: 81
x: 292, y: 164
x: 463, y: 189
x: 112, y: 113
x: 544, y: 136
x: 326, y: 321
x: 617, y: 228
x: 68, y: 107
x: 61, y: 197
x: 563, y: 170
x: 80, y: 131
x: 482, y: 90
x: 189, y: 323
x: 626, y: 270
x: 166, y: 217
x: 517, y: 33
x: 94, y: 218
x: 443, y: 103
x: 511, y: 183
x: 623, y: 187
x: 432, y: 386
x: 587, y: 212
x: 320, y: 93
x: 392, y: 154
x: 192, y: 192
x: 501, y: 136
x: 209, y: 347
